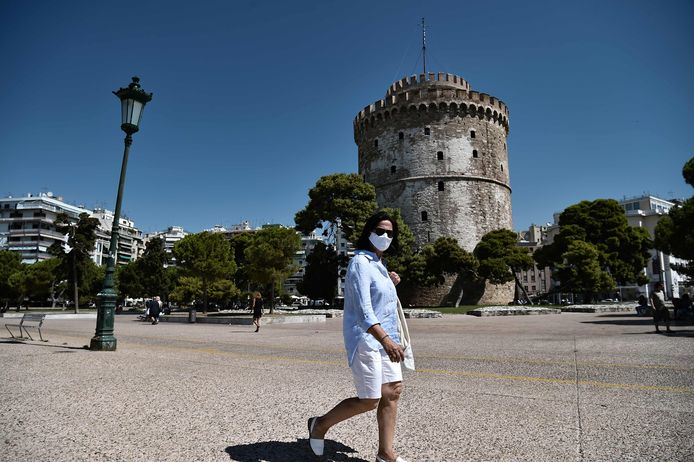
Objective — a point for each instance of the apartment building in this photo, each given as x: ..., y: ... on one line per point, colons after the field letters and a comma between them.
x: 169, y: 237
x: 27, y: 226
x: 131, y: 243
x: 645, y: 212
x: 536, y: 281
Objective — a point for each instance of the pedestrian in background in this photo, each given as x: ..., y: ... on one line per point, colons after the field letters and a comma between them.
x: 372, y: 340
x: 257, y: 305
x: 660, y: 311
x: 155, y: 310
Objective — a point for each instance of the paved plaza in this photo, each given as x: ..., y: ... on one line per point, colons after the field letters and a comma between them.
x: 569, y: 387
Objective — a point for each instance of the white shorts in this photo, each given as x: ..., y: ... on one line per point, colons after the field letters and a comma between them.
x: 371, y: 369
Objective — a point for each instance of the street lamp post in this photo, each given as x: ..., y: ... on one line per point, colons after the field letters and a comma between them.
x: 133, y: 99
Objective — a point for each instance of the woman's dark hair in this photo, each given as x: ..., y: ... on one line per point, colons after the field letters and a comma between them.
x: 365, y: 244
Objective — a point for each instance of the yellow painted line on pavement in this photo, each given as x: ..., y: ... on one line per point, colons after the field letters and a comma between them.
x: 550, y: 362
x: 628, y: 386
x: 481, y: 375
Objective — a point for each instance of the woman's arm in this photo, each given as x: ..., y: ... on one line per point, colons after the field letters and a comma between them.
x: 393, y: 350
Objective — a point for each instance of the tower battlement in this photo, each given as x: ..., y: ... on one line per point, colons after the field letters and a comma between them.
x: 430, y: 93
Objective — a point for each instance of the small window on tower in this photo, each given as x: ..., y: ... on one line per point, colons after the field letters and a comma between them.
x: 472, y: 133
x: 401, y: 136
x: 375, y: 143
x: 393, y: 169
x: 441, y: 186
x: 425, y: 216
x: 427, y: 131
x: 439, y: 155
x: 474, y: 153
x: 502, y: 167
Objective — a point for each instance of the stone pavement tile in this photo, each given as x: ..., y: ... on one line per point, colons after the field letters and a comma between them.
x: 640, y: 432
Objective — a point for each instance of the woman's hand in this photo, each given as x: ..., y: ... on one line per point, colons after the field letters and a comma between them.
x: 394, y: 277
x: 394, y: 351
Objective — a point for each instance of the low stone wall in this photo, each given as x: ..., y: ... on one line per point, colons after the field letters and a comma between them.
x: 512, y: 311
x: 246, y: 321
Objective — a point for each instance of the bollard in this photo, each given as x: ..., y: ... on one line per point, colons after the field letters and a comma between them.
x: 192, y: 315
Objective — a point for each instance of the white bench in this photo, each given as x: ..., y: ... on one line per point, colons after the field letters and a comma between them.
x: 33, y: 320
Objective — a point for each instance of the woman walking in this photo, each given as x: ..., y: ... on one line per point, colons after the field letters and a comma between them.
x: 257, y: 310
x: 660, y: 311
x: 370, y: 330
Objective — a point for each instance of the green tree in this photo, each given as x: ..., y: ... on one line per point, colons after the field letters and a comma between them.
x: 240, y: 243
x: 10, y: 263
x: 188, y: 288
x: 129, y: 280
x: 320, y: 276
x: 81, y: 237
x: 500, y: 258
x: 674, y: 233
x: 688, y: 172
x: 434, y: 263
x: 151, y: 268
x: 206, y: 256
x: 39, y: 281
x: 223, y: 292
x: 342, y: 197
x: 270, y: 257
x: 580, y: 270
x: 48, y: 282
x: 622, y: 249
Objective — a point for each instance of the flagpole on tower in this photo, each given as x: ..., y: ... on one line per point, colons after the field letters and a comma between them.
x: 424, y: 46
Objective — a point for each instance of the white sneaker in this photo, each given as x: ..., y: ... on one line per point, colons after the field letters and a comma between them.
x: 399, y: 459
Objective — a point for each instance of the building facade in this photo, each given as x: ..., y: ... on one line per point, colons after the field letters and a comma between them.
x: 645, y: 212
x: 27, y: 227
x: 536, y: 281
x: 437, y: 150
x: 131, y: 242
x: 26, y: 224
x: 169, y: 237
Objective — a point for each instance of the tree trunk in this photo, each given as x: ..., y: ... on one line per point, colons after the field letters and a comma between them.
x: 53, y: 301
x: 460, y: 296
x: 204, y: 297
x: 520, y: 286
x: 76, y: 285
x: 272, y: 298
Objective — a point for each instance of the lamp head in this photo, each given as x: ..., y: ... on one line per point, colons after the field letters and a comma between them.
x: 133, y: 99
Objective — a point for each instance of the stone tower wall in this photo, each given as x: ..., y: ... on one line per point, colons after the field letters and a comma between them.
x: 417, y: 147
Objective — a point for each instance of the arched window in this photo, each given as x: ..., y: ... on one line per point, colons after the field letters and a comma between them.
x: 425, y: 216
x: 474, y: 153
x: 472, y: 133
x: 439, y: 155
x: 393, y: 169
x: 427, y: 131
x: 401, y: 136
x: 441, y: 186
x: 375, y: 143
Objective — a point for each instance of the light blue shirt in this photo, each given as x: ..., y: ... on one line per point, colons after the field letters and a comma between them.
x: 370, y: 298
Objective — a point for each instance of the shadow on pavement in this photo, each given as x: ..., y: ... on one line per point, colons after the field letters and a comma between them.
x: 45, y: 345
x: 284, y: 451
x: 676, y: 332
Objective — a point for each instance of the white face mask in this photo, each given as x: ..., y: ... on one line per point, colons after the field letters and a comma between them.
x: 381, y: 242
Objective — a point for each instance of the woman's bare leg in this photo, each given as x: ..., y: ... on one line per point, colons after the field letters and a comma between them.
x: 386, y: 415
x: 344, y: 410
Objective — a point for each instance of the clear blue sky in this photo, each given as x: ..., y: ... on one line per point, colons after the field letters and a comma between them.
x: 254, y: 101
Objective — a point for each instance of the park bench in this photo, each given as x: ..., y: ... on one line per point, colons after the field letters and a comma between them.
x: 33, y: 320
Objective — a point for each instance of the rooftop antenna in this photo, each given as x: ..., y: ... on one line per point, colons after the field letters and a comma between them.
x: 424, y: 46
